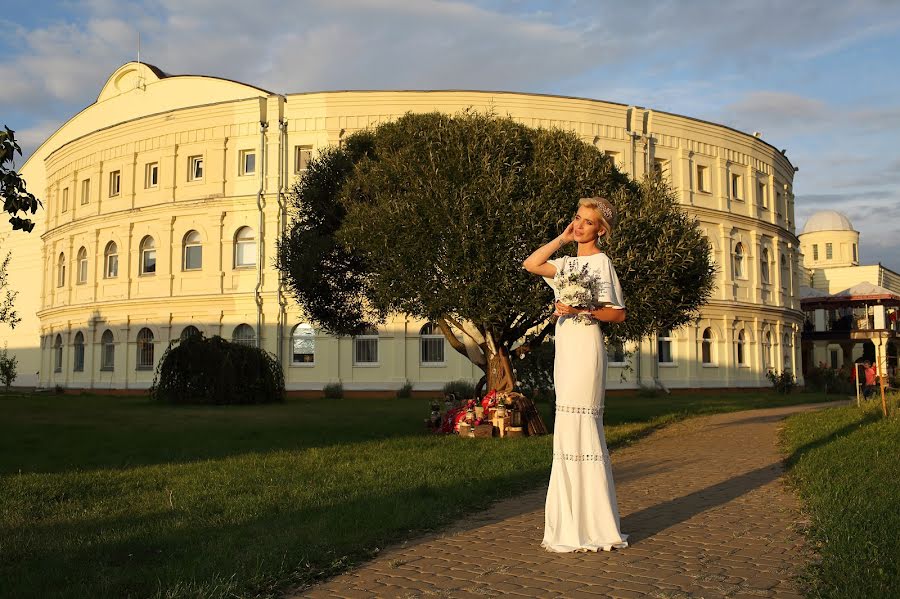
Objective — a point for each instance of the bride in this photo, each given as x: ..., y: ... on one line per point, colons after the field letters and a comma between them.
x: 581, y: 512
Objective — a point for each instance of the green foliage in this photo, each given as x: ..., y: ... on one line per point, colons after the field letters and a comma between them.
x: 461, y: 389
x: 197, y: 370
x: 432, y: 216
x: 782, y: 382
x: 8, y: 365
x: 334, y: 390
x: 828, y: 380
x: 8, y: 314
x: 16, y: 199
x: 405, y: 391
x: 534, y: 370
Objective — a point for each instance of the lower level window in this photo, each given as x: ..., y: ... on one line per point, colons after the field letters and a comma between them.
x: 664, y: 347
x: 145, y: 349
x: 365, y: 348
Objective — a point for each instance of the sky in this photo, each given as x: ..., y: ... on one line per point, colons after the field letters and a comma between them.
x: 818, y: 78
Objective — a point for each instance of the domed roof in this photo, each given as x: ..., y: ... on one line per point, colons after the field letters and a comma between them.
x: 828, y: 220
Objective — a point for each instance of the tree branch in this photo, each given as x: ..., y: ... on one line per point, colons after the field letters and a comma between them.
x: 527, y: 347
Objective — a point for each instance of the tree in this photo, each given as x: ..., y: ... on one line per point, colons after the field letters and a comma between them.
x: 8, y: 365
x: 16, y: 199
x: 432, y: 215
x: 8, y: 313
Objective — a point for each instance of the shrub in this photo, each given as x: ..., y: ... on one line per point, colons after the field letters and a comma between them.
x: 462, y: 389
x: 8, y: 365
x: 782, y: 382
x: 334, y: 390
x: 829, y: 380
x: 405, y: 390
x: 197, y: 370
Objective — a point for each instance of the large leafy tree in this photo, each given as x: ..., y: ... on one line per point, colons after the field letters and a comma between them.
x: 432, y: 215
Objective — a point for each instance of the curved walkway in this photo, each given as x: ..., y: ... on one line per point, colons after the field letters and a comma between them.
x: 703, y: 502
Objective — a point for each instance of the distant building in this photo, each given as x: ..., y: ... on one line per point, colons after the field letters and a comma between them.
x: 851, y: 310
x: 163, y: 201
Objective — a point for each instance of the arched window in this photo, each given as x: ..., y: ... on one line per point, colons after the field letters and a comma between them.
x: 244, y: 248
x: 738, y: 261
x: 785, y: 273
x: 767, y: 349
x: 192, y: 252
x: 148, y: 256
x: 365, y: 348
x: 664, y: 347
x: 243, y: 334
x: 303, y: 345
x: 82, y: 266
x: 707, y: 346
x: 111, y: 260
x: 764, y: 265
x: 431, y: 344
x: 57, y: 354
x: 741, y: 340
x: 78, y: 346
x: 61, y: 270
x: 107, y: 351
x: 145, y: 349
x: 189, y: 332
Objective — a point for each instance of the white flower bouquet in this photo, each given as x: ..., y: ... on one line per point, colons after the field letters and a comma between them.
x: 576, y: 288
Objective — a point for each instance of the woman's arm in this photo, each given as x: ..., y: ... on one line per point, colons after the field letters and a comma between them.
x: 536, y: 263
x: 607, y: 314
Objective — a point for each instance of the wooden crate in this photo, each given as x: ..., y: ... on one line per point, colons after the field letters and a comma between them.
x: 483, y: 430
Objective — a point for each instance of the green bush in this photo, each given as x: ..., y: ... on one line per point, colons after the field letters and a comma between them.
x: 333, y: 390
x: 462, y: 389
x: 782, y: 382
x: 405, y: 391
x: 8, y: 368
x: 197, y: 370
x: 829, y: 380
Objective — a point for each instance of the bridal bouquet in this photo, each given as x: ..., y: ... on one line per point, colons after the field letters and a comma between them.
x: 576, y: 288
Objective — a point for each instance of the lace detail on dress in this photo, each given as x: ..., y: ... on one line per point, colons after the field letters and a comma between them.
x: 581, y: 457
x: 579, y: 410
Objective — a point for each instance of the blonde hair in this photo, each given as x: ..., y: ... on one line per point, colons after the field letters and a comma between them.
x: 605, y: 211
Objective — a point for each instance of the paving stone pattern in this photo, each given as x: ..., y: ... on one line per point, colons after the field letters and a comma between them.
x: 703, y: 502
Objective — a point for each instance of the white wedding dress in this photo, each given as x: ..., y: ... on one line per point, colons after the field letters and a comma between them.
x: 581, y: 513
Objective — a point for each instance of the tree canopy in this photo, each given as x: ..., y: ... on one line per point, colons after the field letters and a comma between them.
x: 16, y: 199
x: 432, y: 215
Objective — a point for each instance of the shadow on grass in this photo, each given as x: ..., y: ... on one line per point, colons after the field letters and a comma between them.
x: 845, y: 430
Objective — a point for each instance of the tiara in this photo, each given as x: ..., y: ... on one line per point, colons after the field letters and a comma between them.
x: 605, y: 210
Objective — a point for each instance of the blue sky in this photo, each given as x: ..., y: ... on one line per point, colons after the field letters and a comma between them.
x: 816, y: 77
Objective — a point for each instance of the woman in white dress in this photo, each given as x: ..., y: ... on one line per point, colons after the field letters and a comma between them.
x: 581, y: 513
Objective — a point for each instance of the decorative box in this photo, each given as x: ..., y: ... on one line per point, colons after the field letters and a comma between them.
x: 483, y: 430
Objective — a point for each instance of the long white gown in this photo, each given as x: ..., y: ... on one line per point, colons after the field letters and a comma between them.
x: 581, y: 513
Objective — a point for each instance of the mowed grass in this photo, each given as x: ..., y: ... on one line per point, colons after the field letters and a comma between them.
x: 844, y: 462
x: 120, y: 497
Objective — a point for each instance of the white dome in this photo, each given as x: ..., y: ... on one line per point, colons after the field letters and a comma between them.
x: 828, y: 220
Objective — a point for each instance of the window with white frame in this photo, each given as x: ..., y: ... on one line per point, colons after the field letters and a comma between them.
x: 741, y: 350
x: 195, y: 168
x: 302, y: 158
x: 431, y: 344
x: 85, y: 191
x: 764, y: 265
x: 107, y: 351
x: 829, y: 251
x: 247, y: 165
x: 144, y: 349
x: 244, y: 335
x: 115, y: 183
x: 664, y: 347
x: 111, y: 260
x: 702, y: 178
x: 615, y: 352
x: 815, y: 251
x: 82, y: 260
x: 192, y: 251
x: 78, y: 347
x: 738, y: 261
x: 58, y: 354
x: 244, y: 248
x: 148, y: 256
x: 65, y: 199
x: 706, y: 347
x: 190, y: 332
x: 61, y: 270
x: 737, y: 187
x: 303, y: 344
x: 365, y: 348
x: 151, y: 175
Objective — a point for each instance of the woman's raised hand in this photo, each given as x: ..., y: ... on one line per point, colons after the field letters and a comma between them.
x: 569, y: 234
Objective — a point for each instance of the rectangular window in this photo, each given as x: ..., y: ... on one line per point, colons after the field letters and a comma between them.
x: 303, y: 343
x: 82, y: 270
x: 193, y: 257
x: 78, y: 366
x: 661, y: 168
x: 736, y: 187
x: 195, y: 168
x: 761, y: 193
x: 115, y: 183
x: 302, y: 156
x: 664, y: 347
x: 248, y: 162
x: 65, y: 199
x: 365, y: 349
x: 815, y: 251
x: 778, y: 203
x: 432, y: 349
x: 112, y: 266
x: 828, y: 251
x: 855, y: 259
x: 834, y: 359
x: 615, y: 353
x: 702, y: 181
x: 108, y: 356
x: 85, y: 191
x: 151, y: 175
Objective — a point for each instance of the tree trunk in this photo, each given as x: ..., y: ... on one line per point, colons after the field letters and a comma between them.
x: 500, y: 375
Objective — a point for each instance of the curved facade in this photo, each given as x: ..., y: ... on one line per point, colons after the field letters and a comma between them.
x: 165, y: 198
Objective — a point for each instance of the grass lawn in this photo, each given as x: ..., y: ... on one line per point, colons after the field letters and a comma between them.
x: 844, y: 462
x: 120, y: 497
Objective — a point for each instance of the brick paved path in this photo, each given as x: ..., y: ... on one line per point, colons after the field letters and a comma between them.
x: 702, y: 501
